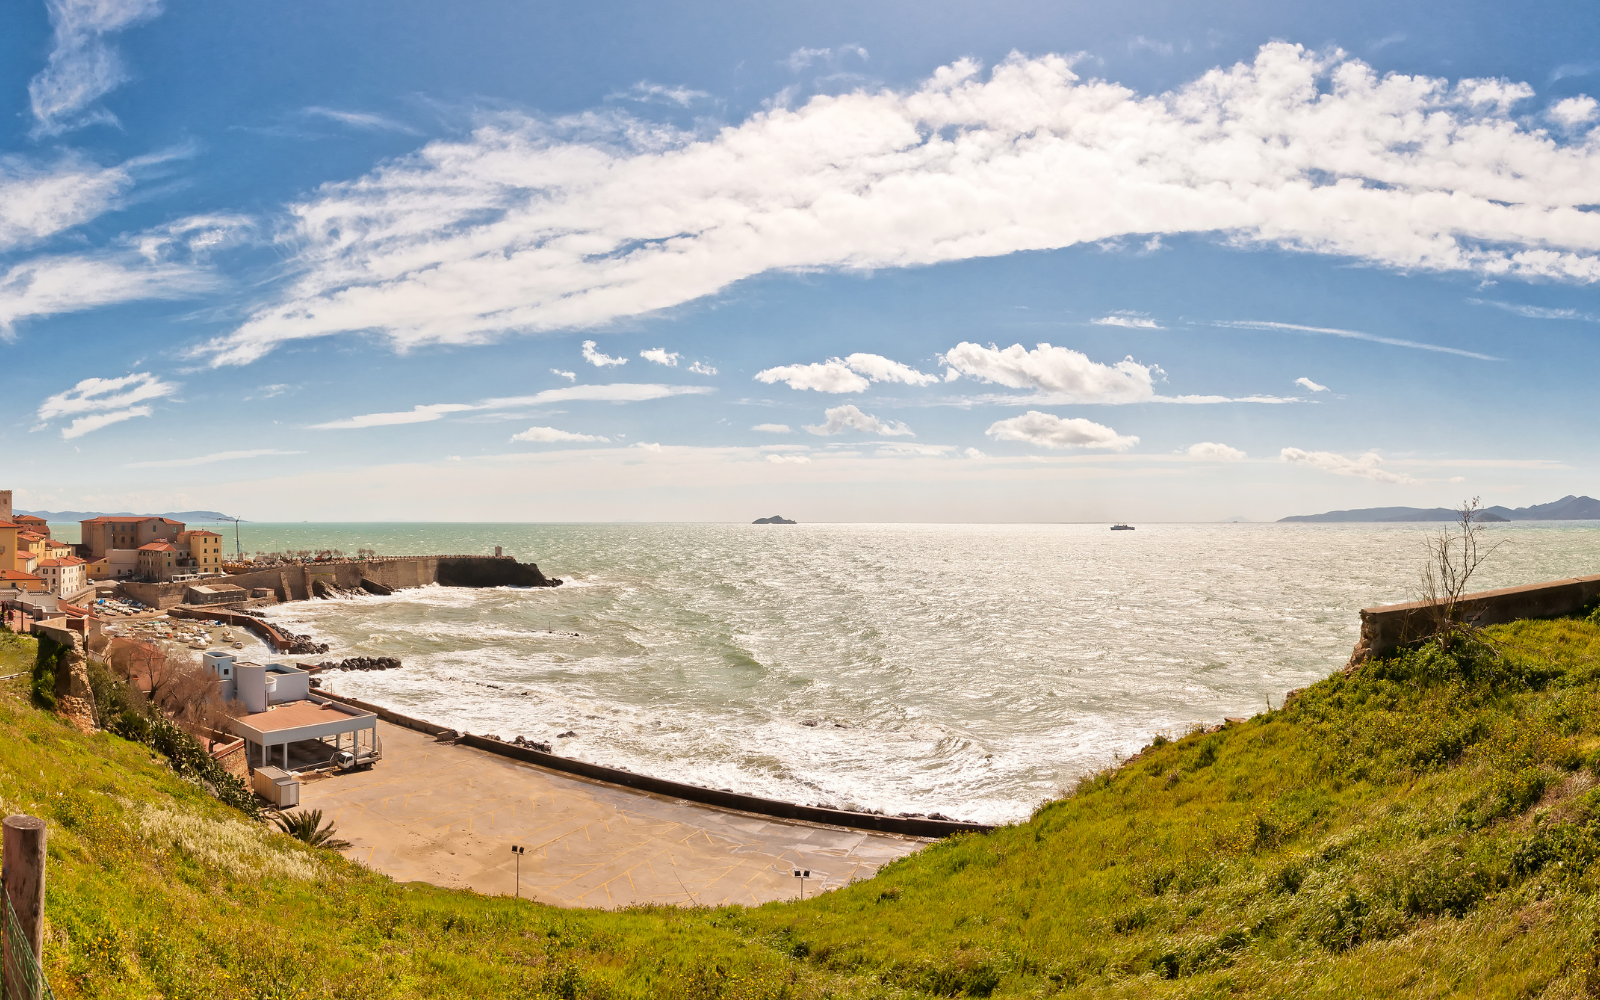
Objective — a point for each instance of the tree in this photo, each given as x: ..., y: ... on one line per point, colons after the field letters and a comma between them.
x: 308, y: 827
x: 1454, y: 555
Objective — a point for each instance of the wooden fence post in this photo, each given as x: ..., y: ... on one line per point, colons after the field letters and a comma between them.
x: 24, y: 889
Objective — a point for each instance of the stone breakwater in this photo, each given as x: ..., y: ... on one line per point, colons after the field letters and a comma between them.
x: 305, y: 581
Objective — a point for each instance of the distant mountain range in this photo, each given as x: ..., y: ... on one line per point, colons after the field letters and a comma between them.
x: 198, y: 516
x: 1568, y: 508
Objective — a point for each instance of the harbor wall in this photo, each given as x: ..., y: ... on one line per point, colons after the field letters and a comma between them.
x: 297, y: 581
x: 1387, y: 628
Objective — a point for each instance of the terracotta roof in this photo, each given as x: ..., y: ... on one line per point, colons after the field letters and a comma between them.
x: 69, y: 561
x: 128, y: 520
x: 157, y: 547
x: 9, y: 524
x: 32, y: 536
x: 202, y: 531
x: 31, y: 519
x: 17, y: 574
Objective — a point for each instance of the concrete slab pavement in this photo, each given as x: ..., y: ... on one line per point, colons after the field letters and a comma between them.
x: 448, y: 815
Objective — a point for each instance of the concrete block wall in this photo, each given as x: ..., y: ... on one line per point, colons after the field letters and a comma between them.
x: 1386, y: 628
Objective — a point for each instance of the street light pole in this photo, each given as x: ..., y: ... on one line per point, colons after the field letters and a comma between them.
x: 802, y: 874
x: 518, y: 851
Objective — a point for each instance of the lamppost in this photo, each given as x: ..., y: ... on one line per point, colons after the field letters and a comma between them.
x: 518, y: 851
x: 802, y: 874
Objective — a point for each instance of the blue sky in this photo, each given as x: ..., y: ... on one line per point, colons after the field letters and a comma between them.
x: 839, y: 261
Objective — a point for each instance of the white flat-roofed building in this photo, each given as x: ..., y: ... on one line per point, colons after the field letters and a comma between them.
x: 282, y: 711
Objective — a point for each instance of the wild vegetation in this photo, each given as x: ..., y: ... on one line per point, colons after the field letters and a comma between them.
x: 1427, y: 826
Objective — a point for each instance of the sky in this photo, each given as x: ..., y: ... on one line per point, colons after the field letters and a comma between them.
x: 1006, y: 261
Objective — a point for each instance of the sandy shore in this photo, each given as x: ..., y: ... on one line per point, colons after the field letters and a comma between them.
x: 448, y: 815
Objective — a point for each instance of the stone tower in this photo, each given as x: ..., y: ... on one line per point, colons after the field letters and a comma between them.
x: 5, y: 505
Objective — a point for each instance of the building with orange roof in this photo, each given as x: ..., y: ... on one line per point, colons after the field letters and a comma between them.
x: 38, y: 525
x: 158, y: 561
x: 63, y: 577
x: 204, y: 549
x: 10, y: 544
x: 102, y: 534
x: 13, y: 579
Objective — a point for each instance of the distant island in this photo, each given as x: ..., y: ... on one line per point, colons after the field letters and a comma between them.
x: 84, y: 515
x: 1568, y: 508
x: 774, y: 519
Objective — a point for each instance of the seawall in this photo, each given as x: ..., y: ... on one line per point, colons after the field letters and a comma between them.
x: 907, y: 826
x: 298, y: 581
x: 1391, y: 626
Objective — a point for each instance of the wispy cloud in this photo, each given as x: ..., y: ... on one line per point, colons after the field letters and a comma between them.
x: 569, y: 376
x: 1133, y: 320
x: 1537, y: 312
x: 1251, y: 324
x: 772, y: 428
x: 624, y: 392
x: 216, y: 456
x: 82, y: 66
x: 646, y: 92
x: 661, y: 356
x: 802, y: 57
x: 701, y: 368
x: 550, y: 435
x: 529, y: 225
x: 368, y: 121
x: 1367, y: 466
x: 1215, y: 451
x: 1313, y: 386
x: 100, y: 402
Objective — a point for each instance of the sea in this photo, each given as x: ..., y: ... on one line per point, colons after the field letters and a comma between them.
x: 969, y: 670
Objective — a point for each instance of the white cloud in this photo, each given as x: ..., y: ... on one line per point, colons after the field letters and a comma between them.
x: 917, y: 450
x: 83, y: 425
x: 533, y: 225
x: 829, y: 376
x: 1574, y: 111
x: 546, y: 435
x: 416, y: 415
x: 1537, y: 312
x: 655, y: 93
x: 1313, y: 386
x: 803, y: 57
x: 366, y: 120
x: 622, y: 392
x: 850, y: 417
x: 701, y: 368
x: 39, y: 201
x: 82, y: 67
x: 93, y: 395
x: 597, y: 359
x: 1058, y: 370
x: 650, y: 446
x: 1212, y: 451
x: 216, y: 456
x: 1051, y: 431
x: 1251, y: 324
x: 1367, y: 466
x: 789, y: 459
x: 845, y: 374
x: 569, y: 376
x: 661, y: 356
x: 772, y: 428
x: 46, y: 286
x: 1133, y: 320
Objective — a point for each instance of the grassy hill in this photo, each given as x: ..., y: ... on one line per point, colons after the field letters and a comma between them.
x: 1428, y: 827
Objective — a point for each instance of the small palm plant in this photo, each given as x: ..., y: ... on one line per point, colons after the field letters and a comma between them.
x: 307, y: 827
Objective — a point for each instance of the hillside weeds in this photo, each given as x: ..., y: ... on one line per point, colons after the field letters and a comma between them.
x: 1428, y: 826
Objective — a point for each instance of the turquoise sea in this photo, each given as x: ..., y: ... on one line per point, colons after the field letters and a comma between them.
x: 967, y: 669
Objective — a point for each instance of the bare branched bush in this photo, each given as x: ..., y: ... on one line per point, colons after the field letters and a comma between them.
x: 1454, y: 555
x: 175, y: 681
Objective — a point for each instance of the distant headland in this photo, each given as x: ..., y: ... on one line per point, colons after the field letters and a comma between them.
x: 62, y: 516
x: 774, y: 519
x: 1568, y: 508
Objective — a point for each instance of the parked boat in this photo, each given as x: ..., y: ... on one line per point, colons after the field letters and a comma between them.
x: 1122, y: 527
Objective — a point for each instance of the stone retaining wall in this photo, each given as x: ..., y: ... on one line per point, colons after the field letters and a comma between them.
x: 1392, y: 626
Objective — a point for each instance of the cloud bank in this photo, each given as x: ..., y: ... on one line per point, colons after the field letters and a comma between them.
x: 536, y: 225
x: 852, y: 374
x: 1368, y: 466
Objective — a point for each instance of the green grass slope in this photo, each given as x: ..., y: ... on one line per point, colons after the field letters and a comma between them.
x: 1428, y: 827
